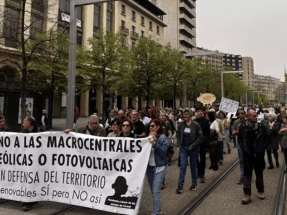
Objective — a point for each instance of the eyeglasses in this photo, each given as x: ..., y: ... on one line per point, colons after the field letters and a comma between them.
x: 126, y: 125
x: 255, y: 115
x: 152, y: 126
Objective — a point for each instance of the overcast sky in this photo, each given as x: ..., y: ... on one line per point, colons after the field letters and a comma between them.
x: 251, y: 28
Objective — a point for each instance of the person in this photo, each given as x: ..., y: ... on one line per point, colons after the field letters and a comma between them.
x: 157, y: 164
x: 167, y: 131
x: 241, y: 120
x: 169, y: 114
x: 121, y: 114
x: 91, y: 128
x: 126, y: 129
x: 252, y: 138
x: 108, y: 123
x: 233, y: 118
x: 189, y: 138
x: 283, y: 139
x: 204, y: 125
x: 116, y: 128
x: 3, y: 125
x: 29, y: 126
x: 272, y: 130
x: 44, y: 121
x: 220, y: 147
x: 213, y: 144
x: 144, y: 119
x: 226, y: 124
x: 139, y: 127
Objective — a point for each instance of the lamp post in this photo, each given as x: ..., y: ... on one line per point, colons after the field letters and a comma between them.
x: 253, y: 96
x: 72, y: 56
x: 222, y: 85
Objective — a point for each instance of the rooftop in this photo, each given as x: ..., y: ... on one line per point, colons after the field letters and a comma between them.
x: 151, y: 7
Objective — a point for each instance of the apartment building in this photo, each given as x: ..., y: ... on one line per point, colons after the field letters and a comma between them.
x: 248, y: 71
x: 135, y: 18
x: 216, y: 60
x: 181, y: 22
x: 270, y: 86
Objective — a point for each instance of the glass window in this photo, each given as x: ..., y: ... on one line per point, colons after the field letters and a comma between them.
x: 97, y: 16
x: 11, y: 26
x: 123, y: 9
x: 134, y: 15
x: 142, y: 20
x: 109, y: 16
x: 150, y: 25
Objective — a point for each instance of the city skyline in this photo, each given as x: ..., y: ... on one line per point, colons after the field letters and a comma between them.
x: 248, y: 28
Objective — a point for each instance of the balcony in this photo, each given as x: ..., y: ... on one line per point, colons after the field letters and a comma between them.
x: 187, y: 40
x: 124, y: 30
x: 184, y: 49
x: 190, y: 31
x: 134, y: 35
x: 188, y: 19
x: 191, y: 2
x: 187, y: 9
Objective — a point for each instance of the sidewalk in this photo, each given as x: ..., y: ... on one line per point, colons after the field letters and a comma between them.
x: 59, y: 124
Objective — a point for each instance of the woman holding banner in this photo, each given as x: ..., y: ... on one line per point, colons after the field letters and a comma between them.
x: 126, y: 128
x: 157, y: 164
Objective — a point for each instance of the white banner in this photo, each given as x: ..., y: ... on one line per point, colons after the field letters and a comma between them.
x: 95, y: 172
x: 228, y: 105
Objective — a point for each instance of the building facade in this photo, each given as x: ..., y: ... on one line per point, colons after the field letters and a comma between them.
x: 248, y: 71
x: 181, y: 22
x: 135, y: 18
x: 216, y: 60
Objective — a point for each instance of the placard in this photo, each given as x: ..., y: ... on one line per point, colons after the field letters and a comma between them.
x: 228, y: 105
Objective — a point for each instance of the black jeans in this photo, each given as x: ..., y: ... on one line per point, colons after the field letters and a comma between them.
x: 220, y: 150
x: 258, y: 163
x: 275, y: 153
x: 201, y: 163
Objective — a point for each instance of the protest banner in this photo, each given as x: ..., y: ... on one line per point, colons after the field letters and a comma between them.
x: 260, y: 117
x: 79, y: 169
x: 228, y: 105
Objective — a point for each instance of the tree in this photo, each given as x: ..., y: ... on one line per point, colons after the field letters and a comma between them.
x: 99, y: 61
x: 141, y: 73
x: 20, y: 30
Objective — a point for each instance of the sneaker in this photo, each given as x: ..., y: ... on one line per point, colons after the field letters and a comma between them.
x: 179, y: 190
x: 202, y: 179
x: 240, y: 181
x: 261, y: 196
x: 220, y: 162
x: 277, y: 164
x: 193, y: 187
x: 246, y: 199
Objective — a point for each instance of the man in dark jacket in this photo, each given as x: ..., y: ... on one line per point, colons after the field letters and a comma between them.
x: 29, y: 126
x: 252, y: 138
x: 205, y: 127
x: 189, y: 138
x: 3, y: 126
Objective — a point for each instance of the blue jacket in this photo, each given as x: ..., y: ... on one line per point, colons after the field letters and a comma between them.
x: 160, y: 150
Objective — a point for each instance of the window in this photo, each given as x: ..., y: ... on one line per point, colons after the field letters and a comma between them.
x: 142, y: 21
x: 150, y: 25
x: 109, y: 16
x: 79, y: 38
x: 37, y: 18
x: 11, y: 26
x: 97, y: 17
x: 157, y: 29
x: 133, y: 28
x: 65, y: 8
x: 123, y: 23
x: 142, y: 33
x: 133, y: 15
x: 123, y: 9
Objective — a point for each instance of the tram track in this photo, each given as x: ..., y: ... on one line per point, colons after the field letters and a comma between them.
x: 280, y: 200
x: 195, y: 202
x: 65, y: 210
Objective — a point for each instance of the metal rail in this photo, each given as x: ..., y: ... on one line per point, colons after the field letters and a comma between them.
x: 64, y: 211
x: 198, y: 199
x: 279, y: 204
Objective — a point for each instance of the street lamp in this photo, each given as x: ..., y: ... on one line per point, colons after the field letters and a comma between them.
x: 72, y: 56
x: 253, y: 95
x: 227, y: 72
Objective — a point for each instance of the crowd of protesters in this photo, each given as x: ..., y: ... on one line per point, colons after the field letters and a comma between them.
x: 197, y: 132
